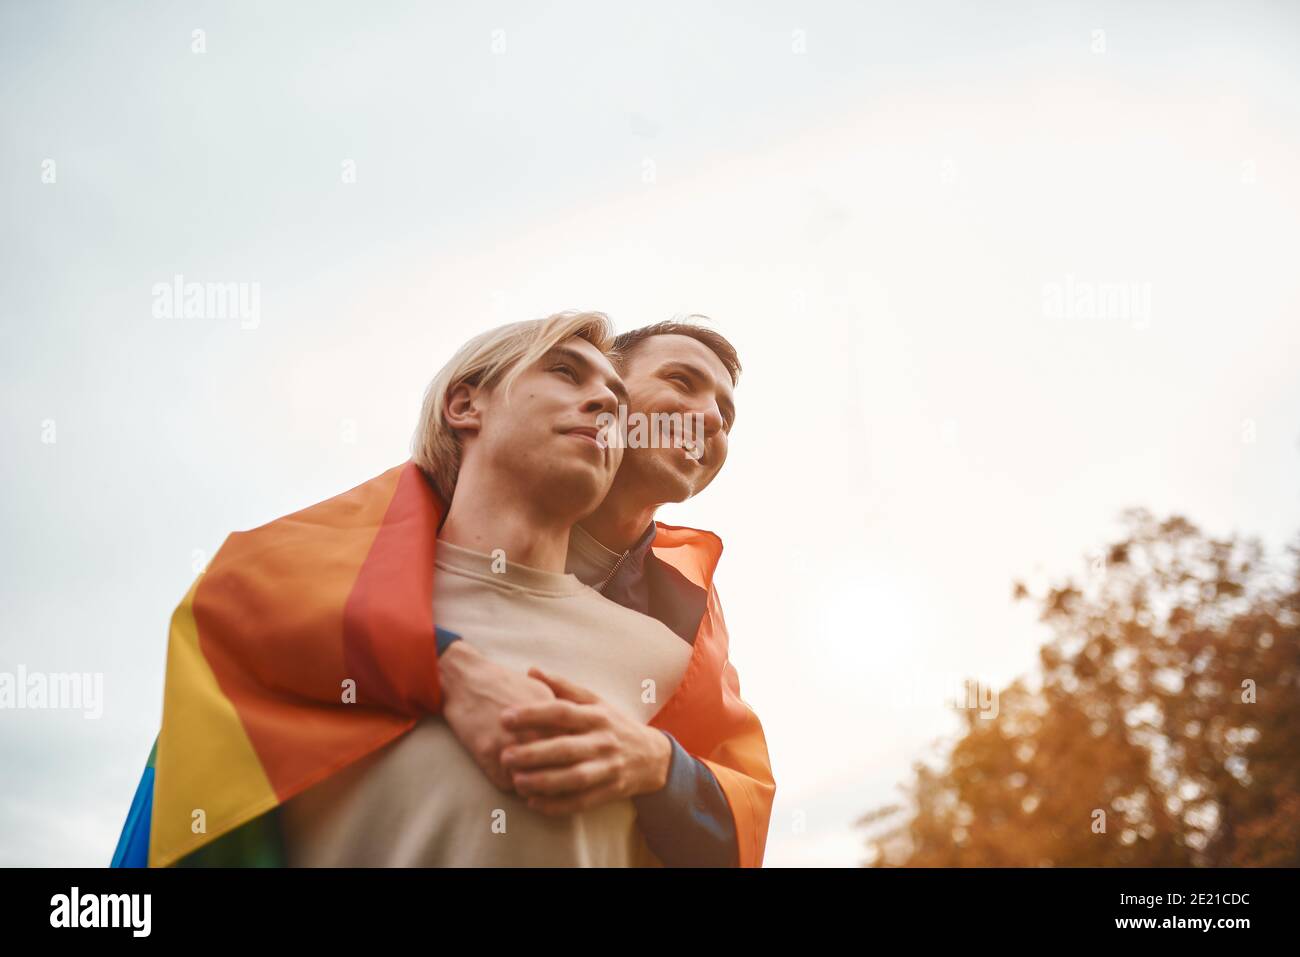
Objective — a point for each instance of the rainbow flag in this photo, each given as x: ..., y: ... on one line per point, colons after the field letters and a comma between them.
x: 309, y: 642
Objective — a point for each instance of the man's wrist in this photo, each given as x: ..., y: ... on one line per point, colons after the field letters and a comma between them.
x: 452, y: 663
x: 444, y: 640
x: 455, y: 654
x: 663, y: 746
x: 688, y: 821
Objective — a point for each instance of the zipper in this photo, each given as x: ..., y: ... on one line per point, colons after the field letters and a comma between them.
x: 613, y: 571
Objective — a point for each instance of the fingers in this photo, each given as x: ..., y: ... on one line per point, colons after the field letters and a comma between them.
x: 552, y: 717
x: 557, y: 751
x: 565, y: 781
x: 523, y: 735
x: 564, y: 688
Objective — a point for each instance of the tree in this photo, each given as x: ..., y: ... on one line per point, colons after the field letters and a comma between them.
x: 1162, y: 727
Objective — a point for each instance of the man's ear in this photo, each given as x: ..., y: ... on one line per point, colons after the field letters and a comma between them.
x: 461, y: 408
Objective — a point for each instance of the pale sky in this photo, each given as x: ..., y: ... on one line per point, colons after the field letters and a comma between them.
x: 874, y: 203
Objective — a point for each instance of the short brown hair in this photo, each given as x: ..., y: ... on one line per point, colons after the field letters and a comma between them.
x: 625, y: 343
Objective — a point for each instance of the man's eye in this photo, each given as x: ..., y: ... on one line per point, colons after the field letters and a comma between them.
x: 678, y: 377
x: 567, y: 370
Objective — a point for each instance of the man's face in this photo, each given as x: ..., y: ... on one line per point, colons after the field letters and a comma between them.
x: 677, y: 374
x: 543, y: 433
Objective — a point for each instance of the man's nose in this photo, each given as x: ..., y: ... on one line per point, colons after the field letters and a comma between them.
x: 602, y: 399
x: 713, y: 420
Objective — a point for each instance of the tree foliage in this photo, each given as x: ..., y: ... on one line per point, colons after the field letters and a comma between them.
x: 1161, y: 727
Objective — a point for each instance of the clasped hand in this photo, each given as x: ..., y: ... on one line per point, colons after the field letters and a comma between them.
x: 551, y: 741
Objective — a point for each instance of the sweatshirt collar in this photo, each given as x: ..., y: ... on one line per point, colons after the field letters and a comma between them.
x: 595, y: 565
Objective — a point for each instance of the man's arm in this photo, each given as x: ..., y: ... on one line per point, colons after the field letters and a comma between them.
x: 475, y: 691
x: 739, y: 761
x: 687, y: 823
x: 596, y: 753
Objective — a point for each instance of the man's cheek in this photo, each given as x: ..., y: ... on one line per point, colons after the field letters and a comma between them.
x: 714, y: 467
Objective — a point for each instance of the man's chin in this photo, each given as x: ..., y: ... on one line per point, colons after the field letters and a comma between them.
x: 670, y: 483
x: 578, y: 493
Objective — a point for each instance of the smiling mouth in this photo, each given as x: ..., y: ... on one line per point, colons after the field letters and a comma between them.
x: 589, y: 434
x: 695, y: 453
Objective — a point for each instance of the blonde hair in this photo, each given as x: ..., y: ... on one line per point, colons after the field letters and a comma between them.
x: 492, y: 358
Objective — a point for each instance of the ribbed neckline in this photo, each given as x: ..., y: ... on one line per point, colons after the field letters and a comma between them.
x: 464, y: 561
x: 592, y: 551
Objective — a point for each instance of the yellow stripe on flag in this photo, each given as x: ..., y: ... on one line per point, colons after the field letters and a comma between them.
x: 205, y: 760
